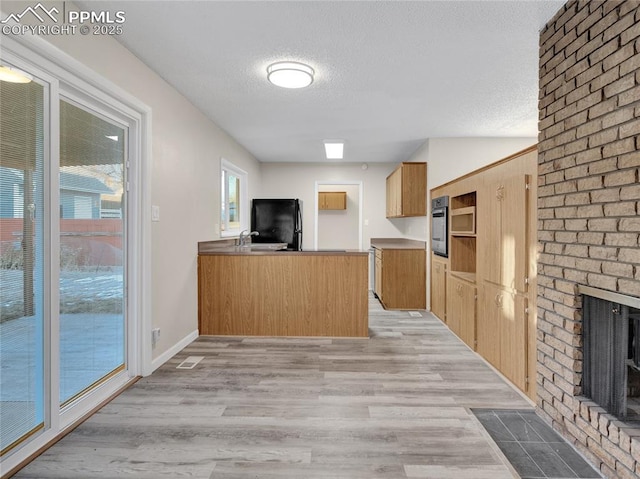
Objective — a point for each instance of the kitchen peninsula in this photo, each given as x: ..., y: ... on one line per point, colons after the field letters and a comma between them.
x: 247, y: 291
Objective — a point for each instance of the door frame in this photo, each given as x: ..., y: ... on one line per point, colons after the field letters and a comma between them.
x: 360, y: 186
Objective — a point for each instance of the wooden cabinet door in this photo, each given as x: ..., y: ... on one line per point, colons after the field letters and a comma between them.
x: 461, y: 309
x: 394, y: 194
x: 503, y: 221
x: 488, y: 329
x: 407, y: 190
x: 413, y: 186
x: 502, y: 331
x: 513, y: 338
x: 332, y: 200
x: 389, y: 198
x: 515, y: 221
x: 403, y: 278
x: 439, y: 289
x: 489, y: 229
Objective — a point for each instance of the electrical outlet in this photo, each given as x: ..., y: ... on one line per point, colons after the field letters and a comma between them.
x: 155, y: 336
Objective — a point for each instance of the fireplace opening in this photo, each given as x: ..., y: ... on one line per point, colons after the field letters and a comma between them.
x: 611, y: 346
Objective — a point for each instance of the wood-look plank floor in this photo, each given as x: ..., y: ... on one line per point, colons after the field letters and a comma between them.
x: 392, y: 406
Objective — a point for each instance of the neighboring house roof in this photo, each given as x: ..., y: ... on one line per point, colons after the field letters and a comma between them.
x: 87, y: 184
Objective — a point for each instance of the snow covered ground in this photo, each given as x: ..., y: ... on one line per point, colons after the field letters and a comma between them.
x: 91, y: 342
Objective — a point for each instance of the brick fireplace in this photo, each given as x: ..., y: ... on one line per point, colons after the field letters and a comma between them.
x: 588, y: 209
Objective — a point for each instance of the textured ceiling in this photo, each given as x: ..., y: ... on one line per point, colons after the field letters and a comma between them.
x: 389, y: 74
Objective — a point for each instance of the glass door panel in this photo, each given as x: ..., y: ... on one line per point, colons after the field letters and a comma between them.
x: 92, y: 249
x: 22, y: 395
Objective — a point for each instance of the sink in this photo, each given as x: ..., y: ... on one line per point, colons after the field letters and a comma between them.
x: 268, y: 246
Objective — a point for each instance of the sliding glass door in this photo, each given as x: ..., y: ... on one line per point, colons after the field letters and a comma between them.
x: 23, y: 108
x: 65, y: 224
x: 92, y: 249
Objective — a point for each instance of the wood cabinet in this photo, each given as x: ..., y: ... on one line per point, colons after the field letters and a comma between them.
x: 332, y: 200
x: 407, y: 191
x: 504, y: 231
x: 439, y: 288
x: 400, y: 278
x: 502, y: 332
x: 492, y: 250
x: 461, y: 309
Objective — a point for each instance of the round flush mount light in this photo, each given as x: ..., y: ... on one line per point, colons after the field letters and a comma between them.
x: 290, y: 74
x: 13, y: 75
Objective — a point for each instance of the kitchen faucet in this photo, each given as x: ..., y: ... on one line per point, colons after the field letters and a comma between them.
x: 245, y: 235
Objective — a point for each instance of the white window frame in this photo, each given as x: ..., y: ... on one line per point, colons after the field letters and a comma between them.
x: 243, y: 176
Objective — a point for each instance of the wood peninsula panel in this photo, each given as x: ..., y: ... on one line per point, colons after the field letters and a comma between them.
x: 283, y: 295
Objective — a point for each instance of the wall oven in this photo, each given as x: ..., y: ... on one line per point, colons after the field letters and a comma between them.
x: 439, y: 226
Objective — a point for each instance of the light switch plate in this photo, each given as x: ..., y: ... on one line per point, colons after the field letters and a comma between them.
x: 155, y: 213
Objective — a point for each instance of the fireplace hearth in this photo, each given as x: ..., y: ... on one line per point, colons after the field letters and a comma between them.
x: 611, y: 340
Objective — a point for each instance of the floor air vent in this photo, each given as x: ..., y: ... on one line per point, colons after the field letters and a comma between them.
x: 190, y: 362
x: 415, y: 314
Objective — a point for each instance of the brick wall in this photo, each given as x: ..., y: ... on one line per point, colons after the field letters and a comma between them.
x: 588, y: 207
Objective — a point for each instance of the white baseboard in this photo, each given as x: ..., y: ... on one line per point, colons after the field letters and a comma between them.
x: 173, y: 350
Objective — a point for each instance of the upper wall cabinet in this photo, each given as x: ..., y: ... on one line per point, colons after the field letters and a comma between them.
x: 407, y: 191
x: 332, y: 200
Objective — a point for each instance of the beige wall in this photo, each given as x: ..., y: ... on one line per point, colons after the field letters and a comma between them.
x: 185, y: 181
x: 339, y: 229
x: 451, y: 158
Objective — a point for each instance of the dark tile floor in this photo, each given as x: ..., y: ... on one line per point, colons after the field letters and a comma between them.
x: 532, y: 447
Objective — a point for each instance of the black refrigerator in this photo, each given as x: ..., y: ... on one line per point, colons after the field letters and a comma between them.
x: 277, y: 221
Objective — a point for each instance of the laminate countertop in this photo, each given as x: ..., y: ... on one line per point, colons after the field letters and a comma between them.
x: 397, y: 243
x: 226, y: 247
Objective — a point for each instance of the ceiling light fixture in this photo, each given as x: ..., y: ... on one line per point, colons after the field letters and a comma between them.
x: 13, y: 75
x: 334, y: 149
x: 290, y: 74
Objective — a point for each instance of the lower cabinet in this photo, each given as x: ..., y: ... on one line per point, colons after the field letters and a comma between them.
x: 461, y: 309
x: 401, y: 278
x: 439, y: 288
x: 502, y: 331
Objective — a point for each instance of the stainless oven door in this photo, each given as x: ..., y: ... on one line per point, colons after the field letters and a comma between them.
x: 439, y: 231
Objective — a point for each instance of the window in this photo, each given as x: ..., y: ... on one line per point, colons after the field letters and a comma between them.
x: 234, y: 211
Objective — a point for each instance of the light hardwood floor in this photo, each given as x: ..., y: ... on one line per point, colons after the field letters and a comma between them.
x: 392, y: 406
